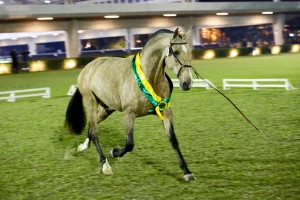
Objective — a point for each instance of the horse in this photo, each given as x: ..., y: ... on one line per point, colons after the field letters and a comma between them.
x: 137, y: 87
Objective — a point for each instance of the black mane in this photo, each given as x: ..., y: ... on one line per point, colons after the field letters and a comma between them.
x: 157, y: 33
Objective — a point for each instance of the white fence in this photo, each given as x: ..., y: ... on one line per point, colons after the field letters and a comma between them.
x: 254, y: 83
x: 13, y: 95
x: 196, y: 83
x: 72, y: 90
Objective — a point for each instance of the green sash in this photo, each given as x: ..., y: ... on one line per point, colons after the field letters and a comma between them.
x: 159, y: 104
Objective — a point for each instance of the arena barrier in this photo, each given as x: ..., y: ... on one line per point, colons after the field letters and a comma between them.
x: 197, y: 83
x: 72, y: 90
x: 253, y: 83
x: 13, y: 95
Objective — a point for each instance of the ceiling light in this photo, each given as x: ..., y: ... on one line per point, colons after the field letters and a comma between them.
x: 221, y: 13
x: 34, y: 36
x: 291, y: 34
x: 170, y: 15
x: 14, y: 38
x: 47, y: 1
x: 111, y: 16
x: 1, y: 2
x: 45, y: 18
x: 55, y: 34
x: 80, y: 31
x: 267, y: 13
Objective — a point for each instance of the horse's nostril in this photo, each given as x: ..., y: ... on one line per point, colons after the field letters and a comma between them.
x: 185, y: 85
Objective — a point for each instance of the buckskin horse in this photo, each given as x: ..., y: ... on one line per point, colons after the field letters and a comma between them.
x: 137, y: 87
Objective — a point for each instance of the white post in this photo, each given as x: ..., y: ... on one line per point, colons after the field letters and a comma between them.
x: 254, y: 83
x: 225, y: 85
x: 47, y: 93
x: 12, y: 97
x: 207, y: 86
x: 291, y: 87
x: 72, y: 90
x: 286, y: 84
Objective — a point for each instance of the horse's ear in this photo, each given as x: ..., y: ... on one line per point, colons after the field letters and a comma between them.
x: 187, y: 34
x: 175, y: 34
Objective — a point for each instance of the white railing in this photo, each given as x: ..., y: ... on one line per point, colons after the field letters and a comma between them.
x: 72, y: 90
x: 13, y: 95
x: 254, y: 83
x: 196, y: 83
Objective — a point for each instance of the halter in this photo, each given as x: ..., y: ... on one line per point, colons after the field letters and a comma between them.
x: 171, y: 52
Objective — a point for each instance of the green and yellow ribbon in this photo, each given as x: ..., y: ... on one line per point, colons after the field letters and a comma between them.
x: 159, y: 104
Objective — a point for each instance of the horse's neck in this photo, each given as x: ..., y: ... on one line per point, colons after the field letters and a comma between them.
x: 153, y: 66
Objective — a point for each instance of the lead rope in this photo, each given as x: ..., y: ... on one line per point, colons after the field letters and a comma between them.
x: 198, y: 76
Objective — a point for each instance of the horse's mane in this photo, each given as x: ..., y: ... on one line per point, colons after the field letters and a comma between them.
x: 160, y: 31
x: 157, y: 33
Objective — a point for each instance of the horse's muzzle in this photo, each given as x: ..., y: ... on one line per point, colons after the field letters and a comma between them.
x: 186, y: 86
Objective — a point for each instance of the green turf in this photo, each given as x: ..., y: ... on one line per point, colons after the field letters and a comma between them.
x: 229, y: 158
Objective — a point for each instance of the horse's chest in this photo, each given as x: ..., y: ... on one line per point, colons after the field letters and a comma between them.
x: 143, y: 105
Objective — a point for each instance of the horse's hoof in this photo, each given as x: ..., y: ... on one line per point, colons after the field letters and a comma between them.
x: 84, y: 146
x: 189, y: 177
x: 111, y: 153
x: 106, y: 169
x: 81, y: 148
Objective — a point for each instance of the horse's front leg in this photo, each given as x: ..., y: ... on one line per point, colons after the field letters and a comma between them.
x: 129, y: 123
x: 169, y: 127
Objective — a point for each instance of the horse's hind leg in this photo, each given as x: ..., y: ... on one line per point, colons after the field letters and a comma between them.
x: 169, y: 127
x: 94, y: 117
x: 128, y: 122
x: 102, y: 114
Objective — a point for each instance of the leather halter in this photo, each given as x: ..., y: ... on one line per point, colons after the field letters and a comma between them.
x: 171, y: 52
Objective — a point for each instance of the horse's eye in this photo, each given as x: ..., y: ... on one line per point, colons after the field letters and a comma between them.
x: 176, y: 53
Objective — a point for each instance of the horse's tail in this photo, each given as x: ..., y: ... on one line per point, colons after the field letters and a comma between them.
x: 75, y: 114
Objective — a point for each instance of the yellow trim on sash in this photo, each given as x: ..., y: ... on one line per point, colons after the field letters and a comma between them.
x: 147, y: 85
x: 144, y: 80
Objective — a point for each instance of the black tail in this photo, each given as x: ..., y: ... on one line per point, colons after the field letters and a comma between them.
x: 75, y: 115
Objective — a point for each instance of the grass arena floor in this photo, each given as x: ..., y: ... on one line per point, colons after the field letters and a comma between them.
x: 230, y: 159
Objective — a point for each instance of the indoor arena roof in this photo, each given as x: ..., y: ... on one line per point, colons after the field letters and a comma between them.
x: 39, y: 2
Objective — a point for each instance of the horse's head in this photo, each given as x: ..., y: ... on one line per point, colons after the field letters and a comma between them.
x: 177, y: 59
